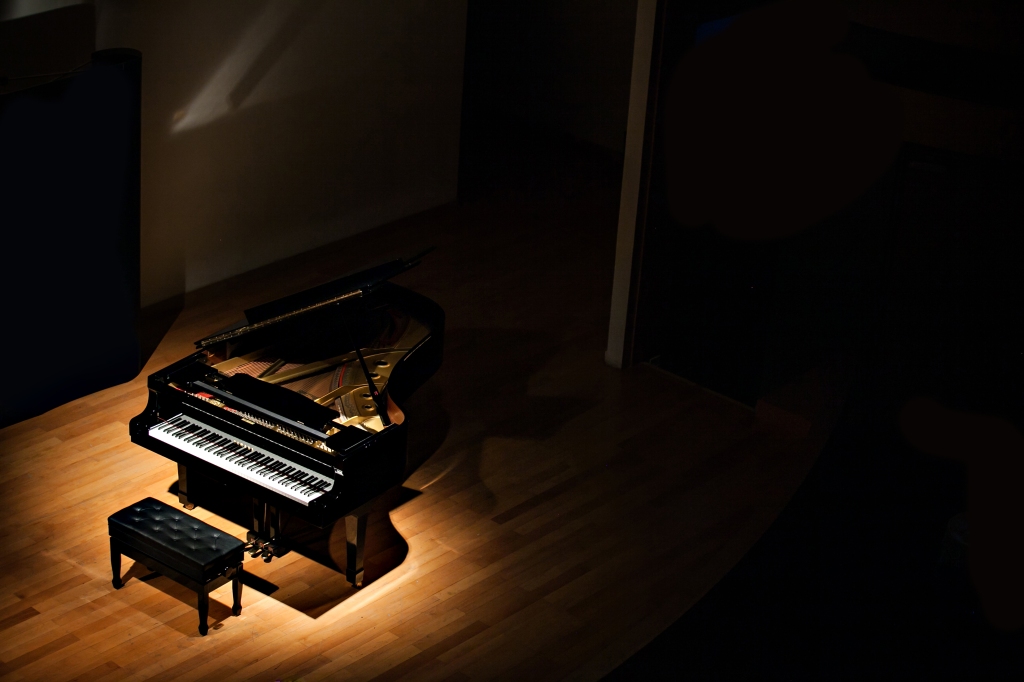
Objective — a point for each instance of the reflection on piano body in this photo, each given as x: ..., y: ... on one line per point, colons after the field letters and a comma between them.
x: 298, y: 406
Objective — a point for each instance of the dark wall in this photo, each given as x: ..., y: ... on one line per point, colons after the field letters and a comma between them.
x: 69, y: 185
x: 560, y: 64
x: 48, y: 42
x: 892, y: 275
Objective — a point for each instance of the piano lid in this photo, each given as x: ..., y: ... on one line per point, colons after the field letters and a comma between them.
x: 350, y: 286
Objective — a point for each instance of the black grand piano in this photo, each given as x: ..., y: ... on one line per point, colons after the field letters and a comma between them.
x: 298, y: 406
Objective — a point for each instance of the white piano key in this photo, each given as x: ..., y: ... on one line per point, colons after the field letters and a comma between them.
x: 243, y: 459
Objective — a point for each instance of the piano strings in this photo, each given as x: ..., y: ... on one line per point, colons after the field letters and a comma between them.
x: 349, y: 384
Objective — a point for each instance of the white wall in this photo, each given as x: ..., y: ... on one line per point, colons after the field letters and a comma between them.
x: 270, y: 128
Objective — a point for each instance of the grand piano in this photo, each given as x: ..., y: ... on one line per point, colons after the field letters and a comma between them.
x: 298, y: 405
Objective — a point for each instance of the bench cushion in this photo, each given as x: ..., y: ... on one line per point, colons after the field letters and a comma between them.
x: 186, y: 544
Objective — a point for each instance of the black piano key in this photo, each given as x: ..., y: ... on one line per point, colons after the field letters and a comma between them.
x: 205, y: 441
x: 279, y: 471
x: 216, y: 445
x: 233, y: 456
x: 227, y: 449
x: 248, y: 458
x: 198, y: 434
x: 269, y: 470
x: 172, y: 423
x: 200, y: 438
x: 265, y: 466
x: 258, y: 459
x: 245, y: 455
x: 186, y: 431
x: 290, y: 474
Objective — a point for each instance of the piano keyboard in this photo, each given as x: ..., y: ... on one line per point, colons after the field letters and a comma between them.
x: 242, y: 459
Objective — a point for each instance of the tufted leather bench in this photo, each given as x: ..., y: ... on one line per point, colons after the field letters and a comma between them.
x: 180, y: 547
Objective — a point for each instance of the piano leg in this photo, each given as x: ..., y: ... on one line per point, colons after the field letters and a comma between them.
x: 183, y: 488
x: 355, y: 540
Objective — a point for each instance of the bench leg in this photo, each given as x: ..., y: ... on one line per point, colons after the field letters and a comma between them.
x: 236, y: 592
x: 115, y: 564
x: 204, y: 612
x: 355, y: 539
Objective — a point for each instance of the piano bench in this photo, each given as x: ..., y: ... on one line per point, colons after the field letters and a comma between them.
x: 180, y: 547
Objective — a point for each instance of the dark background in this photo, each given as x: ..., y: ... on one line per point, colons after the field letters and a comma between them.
x: 914, y: 286
x: 69, y: 187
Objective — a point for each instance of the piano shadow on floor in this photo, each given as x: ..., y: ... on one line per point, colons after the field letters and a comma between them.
x: 314, y: 581
x: 185, y: 622
x: 455, y: 415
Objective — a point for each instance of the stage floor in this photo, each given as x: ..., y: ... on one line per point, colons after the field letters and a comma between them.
x: 560, y: 513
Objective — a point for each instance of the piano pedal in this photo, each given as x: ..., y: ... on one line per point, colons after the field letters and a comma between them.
x: 260, y: 547
x: 271, y: 550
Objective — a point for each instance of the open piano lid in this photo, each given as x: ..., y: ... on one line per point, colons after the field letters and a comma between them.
x: 350, y: 286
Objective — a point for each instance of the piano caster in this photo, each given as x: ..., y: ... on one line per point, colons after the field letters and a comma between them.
x: 189, y: 506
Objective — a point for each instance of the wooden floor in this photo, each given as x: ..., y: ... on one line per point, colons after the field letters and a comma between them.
x: 560, y: 513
